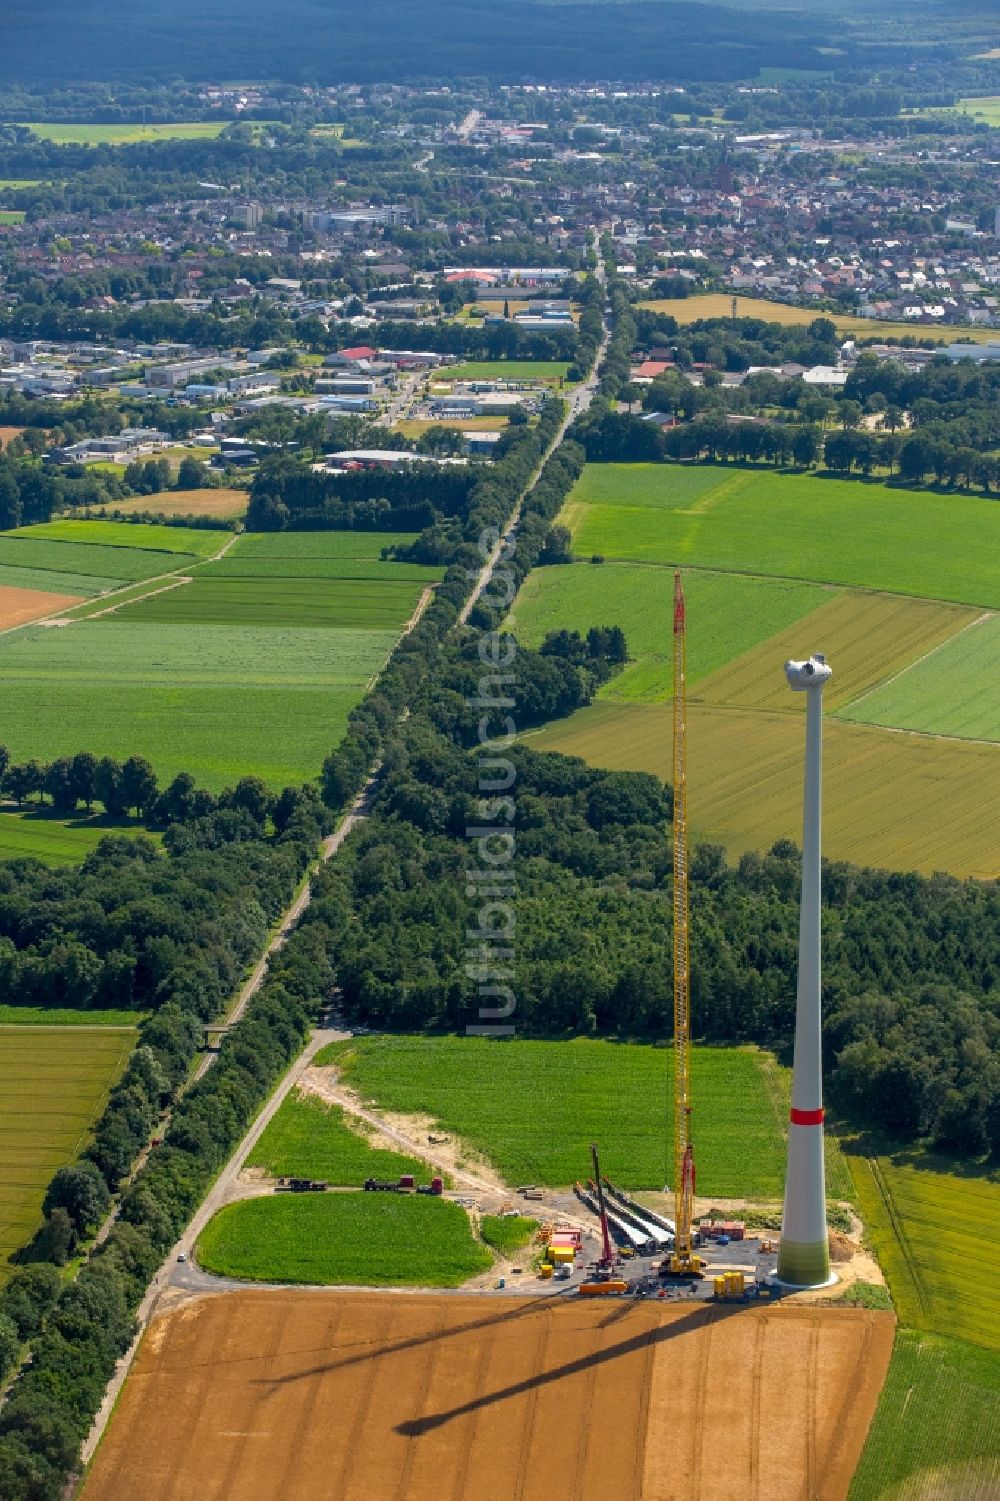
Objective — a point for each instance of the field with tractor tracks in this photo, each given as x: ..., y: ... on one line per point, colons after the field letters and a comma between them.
x: 56, y: 1080
x: 246, y: 663
x: 909, y: 723
x: 266, y: 1395
x: 533, y: 1108
x: 936, y: 1434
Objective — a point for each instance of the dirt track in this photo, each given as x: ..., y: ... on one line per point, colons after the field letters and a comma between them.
x: 307, y: 1396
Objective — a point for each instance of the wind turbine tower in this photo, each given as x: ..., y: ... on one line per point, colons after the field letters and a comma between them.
x: 804, y: 1253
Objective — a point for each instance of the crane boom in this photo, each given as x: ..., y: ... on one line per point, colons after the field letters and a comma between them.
x: 607, y: 1251
x: 683, y: 1261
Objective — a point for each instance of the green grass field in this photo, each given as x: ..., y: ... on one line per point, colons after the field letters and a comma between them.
x: 933, y: 1233
x: 51, y: 582
x: 121, y: 595
x: 218, y: 701
x: 54, y: 840
x: 985, y: 109
x: 86, y: 559
x: 353, y: 604
x: 507, y: 1233
x: 936, y: 1432
x: 533, y: 1108
x: 548, y: 372
x: 11, y: 216
x: 55, y: 1083
x: 66, y: 1016
x: 378, y: 1240
x: 733, y: 612
x: 251, y: 668
x: 791, y: 526
x: 20, y: 182
x: 310, y: 1138
x: 949, y: 692
x: 145, y: 535
x: 126, y: 135
x: 320, y: 555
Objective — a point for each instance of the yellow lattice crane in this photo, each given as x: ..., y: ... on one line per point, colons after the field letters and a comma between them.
x: 683, y: 1262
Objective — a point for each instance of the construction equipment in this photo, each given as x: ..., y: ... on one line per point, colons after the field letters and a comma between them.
x: 683, y: 1261
x: 615, y: 1286
x: 607, y: 1253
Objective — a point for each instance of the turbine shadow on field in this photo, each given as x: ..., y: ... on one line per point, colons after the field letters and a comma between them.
x: 398, y: 1347
x: 416, y: 1427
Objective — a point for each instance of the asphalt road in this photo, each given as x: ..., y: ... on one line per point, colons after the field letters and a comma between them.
x: 579, y: 400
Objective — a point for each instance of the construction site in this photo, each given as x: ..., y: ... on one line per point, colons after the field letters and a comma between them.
x: 590, y: 1367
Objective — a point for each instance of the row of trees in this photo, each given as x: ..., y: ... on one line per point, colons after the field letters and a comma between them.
x: 912, y: 1023
x: 618, y: 437
x: 78, y: 1330
x: 191, y: 958
x: 132, y: 786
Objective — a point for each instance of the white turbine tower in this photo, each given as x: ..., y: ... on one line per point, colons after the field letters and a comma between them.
x: 804, y: 1253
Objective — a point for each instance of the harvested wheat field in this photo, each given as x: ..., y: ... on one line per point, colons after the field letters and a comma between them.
x: 19, y: 606
x: 306, y: 1396
x: 223, y: 504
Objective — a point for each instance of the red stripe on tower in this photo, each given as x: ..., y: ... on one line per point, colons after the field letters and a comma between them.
x: 678, y: 605
x: 806, y: 1117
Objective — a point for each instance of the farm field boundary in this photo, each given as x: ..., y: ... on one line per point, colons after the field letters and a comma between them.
x: 811, y: 527
x: 145, y: 536
x: 929, y: 1229
x: 735, y: 613
x: 867, y: 638
x: 936, y: 1431
x: 500, y: 1396
x: 311, y: 1137
x: 746, y: 775
x: 61, y: 134
x: 359, y: 1238
x: 941, y: 1397
x: 55, y: 840
x: 489, y: 1097
x: 719, y: 305
x: 945, y: 693
x: 22, y: 606
x: 225, y: 504
x: 263, y: 700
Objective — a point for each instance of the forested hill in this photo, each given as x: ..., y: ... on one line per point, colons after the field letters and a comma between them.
x: 331, y: 41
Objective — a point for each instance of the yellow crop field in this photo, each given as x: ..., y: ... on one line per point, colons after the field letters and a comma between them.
x: 719, y: 305
x: 932, y: 1232
x: 226, y: 504
x: 905, y: 802
x: 867, y: 637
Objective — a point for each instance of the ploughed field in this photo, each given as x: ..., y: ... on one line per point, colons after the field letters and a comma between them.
x: 896, y: 587
x: 237, y: 656
x: 313, y: 1395
x: 56, y: 1080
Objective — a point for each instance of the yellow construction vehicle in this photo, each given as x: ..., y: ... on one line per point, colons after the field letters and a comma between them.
x: 683, y: 1262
